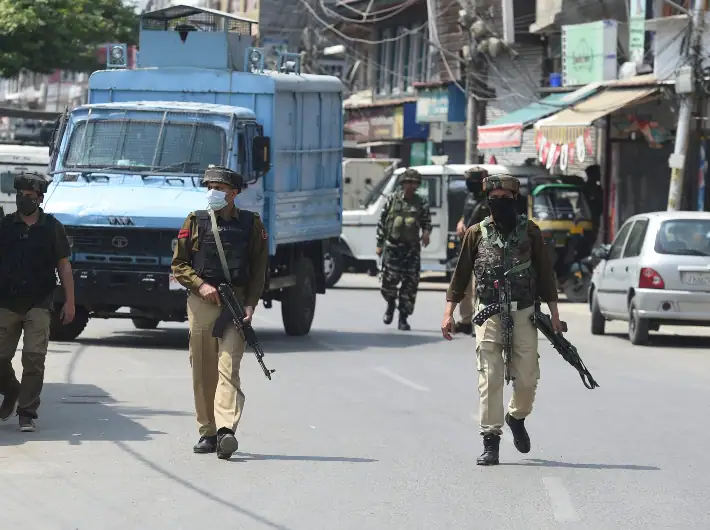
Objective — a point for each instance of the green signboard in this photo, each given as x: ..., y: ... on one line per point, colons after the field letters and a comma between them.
x: 589, y: 53
x: 637, y: 30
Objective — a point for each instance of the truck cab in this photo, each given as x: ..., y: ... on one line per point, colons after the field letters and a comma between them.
x: 128, y: 167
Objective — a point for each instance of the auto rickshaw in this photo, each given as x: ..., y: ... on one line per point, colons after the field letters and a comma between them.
x: 562, y: 212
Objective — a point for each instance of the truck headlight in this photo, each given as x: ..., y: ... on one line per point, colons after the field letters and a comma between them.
x: 173, y: 244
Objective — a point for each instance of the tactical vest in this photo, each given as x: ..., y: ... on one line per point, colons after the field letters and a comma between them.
x: 28, y: 263
x: 403, y: 219
x: 235, y: 235
x: 513, y: 255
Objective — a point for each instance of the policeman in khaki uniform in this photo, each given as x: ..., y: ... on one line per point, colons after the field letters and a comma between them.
x: 398, y: 235
x: 34, y: 250
x: 197, y: 265
x: 512, y: 241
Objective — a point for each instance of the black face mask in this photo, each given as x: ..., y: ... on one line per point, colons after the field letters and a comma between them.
x: 26, y: 205
x: 504, y: 212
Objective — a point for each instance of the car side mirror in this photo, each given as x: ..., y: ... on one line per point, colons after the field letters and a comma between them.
x: 261, y: 154
x: 601, y: 252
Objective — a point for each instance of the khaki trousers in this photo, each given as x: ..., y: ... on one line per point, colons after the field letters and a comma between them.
x: 525, y: 368
x: 35, y: 325
x: 219, y: 400
x: 466, y: 305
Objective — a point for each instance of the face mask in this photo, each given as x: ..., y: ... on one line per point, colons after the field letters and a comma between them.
x: 216, y: 199
x: 504, y: 212
x: 26, y: 205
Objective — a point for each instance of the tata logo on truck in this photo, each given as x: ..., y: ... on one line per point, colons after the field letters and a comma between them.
x: 121, y: 221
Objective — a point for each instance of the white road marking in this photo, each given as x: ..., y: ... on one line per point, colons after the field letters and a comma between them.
x: 400, y: 379
x: 561, y: 503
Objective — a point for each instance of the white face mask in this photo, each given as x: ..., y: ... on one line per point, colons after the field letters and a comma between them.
x: 216, y: 199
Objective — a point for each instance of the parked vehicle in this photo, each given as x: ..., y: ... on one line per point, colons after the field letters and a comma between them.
x: 14, y: 159
x: 656, y: 272
x: 444, y: 188
x: 128, y: 167
x: 573, y: 267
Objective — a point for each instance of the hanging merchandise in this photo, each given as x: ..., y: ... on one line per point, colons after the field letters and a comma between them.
x: 551, y: 154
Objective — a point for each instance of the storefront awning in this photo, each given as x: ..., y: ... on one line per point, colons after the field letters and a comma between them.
x: 569, y: 124
x: 507, y: 132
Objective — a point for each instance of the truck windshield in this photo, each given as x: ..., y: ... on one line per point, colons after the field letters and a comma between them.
x: 145, y: 145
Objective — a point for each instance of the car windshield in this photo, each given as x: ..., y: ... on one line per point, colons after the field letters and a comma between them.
x: 376, y: 190
x: 145, y: 145
x: 684, y: 237
x: 560, y: 204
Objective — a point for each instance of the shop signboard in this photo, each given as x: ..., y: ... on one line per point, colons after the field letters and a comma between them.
x: 637, y: 30
x: 433, y: 105
x: 447, y: 132
x: 376, y: 123
x: 589, y: 53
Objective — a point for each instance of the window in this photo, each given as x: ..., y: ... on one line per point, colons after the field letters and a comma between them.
x: 428, y: 189
x: 560, y: 204
x: 636, y: 237
x: 618, y: 245
x: 147, y: 145
x: 376, y: 191
x: 404, y: 61
x: 684, y: 237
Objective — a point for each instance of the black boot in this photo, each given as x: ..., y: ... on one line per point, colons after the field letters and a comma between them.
x: 403, y: 324
x: 464, y: 327
x: 206, y: 444
x: 389, y: 313
x: 227, y: 444
x: 521, y: 439
x: 491, y: 448
x: 9, y: 402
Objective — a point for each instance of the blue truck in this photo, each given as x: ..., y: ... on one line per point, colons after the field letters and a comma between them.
x: 127, y: 166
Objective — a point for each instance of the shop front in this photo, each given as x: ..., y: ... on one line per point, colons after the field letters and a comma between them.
x: 385, y: 131
x: 634, y: 172
x: 443, y: 110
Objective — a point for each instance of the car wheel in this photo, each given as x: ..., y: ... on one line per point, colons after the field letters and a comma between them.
x: 598, y: 320
x: 638, y: 327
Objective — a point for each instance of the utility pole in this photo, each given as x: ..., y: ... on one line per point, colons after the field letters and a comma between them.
x: 677, y: 159
x: 481, y: 43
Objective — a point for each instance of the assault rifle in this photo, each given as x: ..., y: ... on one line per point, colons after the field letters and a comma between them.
x: 544, y: 323
x: 562, y: 345
x: 234, y: 312
x: 502, y: 307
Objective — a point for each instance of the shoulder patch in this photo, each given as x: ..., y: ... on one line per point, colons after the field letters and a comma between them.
x: 264, y: 234
x: 184, y: 233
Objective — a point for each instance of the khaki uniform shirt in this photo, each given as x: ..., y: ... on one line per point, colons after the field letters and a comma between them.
x: 542, y: 265
x: 187, y: 246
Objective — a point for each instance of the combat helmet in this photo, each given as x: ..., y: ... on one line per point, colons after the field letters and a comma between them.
x: 501, y: 181
x: 224, y: 175
x: 31, y: 182
x: 412, y: 175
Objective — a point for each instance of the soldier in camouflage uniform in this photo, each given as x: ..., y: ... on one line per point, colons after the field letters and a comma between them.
x: 398, y: 237
x: 509, y: 243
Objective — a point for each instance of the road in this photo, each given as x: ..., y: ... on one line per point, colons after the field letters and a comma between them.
x: 362, y: 427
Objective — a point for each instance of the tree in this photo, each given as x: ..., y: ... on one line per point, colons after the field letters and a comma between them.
x: 43, y: 35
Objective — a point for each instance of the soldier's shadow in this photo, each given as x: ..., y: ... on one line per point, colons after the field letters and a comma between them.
x: 538, y: 462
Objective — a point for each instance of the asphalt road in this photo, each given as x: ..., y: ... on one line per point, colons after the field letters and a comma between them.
x: 363, y: 427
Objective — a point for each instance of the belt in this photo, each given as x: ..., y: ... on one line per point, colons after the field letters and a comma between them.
x: 514, y: 305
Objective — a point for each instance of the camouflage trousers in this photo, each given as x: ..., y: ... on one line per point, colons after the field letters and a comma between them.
x: 401, y: 264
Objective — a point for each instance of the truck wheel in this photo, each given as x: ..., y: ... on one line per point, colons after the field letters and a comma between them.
x: 333, y: 265
x: 298, y: 305
x: 67, y: 333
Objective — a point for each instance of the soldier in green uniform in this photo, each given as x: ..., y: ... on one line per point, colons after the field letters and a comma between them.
x: 197, y: 265
x: 475, y: 210
x: 504, y: 242
x: 404, y: 217
x: 34, y: 250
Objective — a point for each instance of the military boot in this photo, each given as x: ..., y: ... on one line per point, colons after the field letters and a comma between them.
x: 491, y: 448
x: 206, y: 445
x: 389, y: 312
x: 9, y: 402
x: 227, y: 444
x: 521, y: 439
x: 403, y: 324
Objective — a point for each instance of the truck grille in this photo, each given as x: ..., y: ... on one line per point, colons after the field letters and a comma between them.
x: 127, y: 246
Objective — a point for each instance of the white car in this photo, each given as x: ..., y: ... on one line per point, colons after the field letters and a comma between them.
x: 656, y: 272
